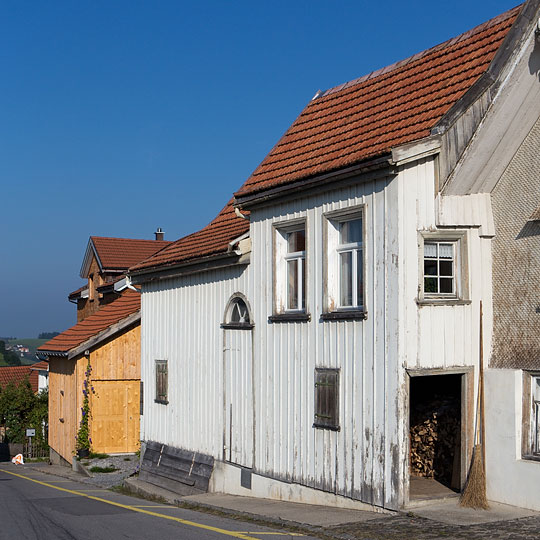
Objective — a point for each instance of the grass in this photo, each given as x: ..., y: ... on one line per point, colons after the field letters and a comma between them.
x: 97, y: 455
x: 97, y: 469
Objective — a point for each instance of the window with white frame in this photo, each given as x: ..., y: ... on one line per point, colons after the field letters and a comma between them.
x: 290, y: 268
x: 535, y: 424
x: 344, y: 264
x: 443, y: 267
x: 296, y: 269
x: 439, y: 268
x: 351, y: 267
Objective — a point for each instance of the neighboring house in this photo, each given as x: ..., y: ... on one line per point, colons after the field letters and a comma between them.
x: 18, y: 375
x: 298, y: 351
x: 104, y: 265
x: 42, y: 369
x: 108, y: 340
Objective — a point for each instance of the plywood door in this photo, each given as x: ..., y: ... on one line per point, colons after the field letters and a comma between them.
x: 238, y: 434
x: 115, y: 416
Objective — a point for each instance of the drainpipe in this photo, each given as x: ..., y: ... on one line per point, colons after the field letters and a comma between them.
x: 130, y: 286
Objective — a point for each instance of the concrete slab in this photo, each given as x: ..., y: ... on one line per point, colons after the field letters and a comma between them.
x: 451, y: 513
x: 304, y: 514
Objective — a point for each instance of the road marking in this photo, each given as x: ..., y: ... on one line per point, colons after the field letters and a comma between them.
x: 270, y: 533
x: 155, y: 506
x: 225, y: 532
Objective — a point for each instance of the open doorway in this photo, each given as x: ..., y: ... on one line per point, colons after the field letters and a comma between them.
x: 435, y: 432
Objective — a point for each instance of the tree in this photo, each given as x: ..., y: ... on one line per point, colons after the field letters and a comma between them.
x: 47, y: 335
x: 20, y: 409
x: 9, y: 357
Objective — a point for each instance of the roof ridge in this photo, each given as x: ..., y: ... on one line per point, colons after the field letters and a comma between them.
x: 130, y: 239
x: 401, y: 63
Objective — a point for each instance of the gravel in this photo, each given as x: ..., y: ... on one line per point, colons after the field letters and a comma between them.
x: 126, y: 465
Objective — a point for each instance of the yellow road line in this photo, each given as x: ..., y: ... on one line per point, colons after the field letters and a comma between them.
x: 270, y: 533
x: 225, y: 532
x: 155, y: 506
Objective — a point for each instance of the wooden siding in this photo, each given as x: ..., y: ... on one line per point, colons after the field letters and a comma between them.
x: 62, y: 406
x: 115, y: 363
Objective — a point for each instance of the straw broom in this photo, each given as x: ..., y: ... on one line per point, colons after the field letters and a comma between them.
x: 474, y: 494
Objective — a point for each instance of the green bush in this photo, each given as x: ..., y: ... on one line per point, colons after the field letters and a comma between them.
x: 20, y: 409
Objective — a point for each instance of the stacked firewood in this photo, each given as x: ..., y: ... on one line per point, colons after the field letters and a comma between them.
x: 434, y: 430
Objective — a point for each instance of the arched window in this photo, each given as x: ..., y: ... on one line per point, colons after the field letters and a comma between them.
x: 237, y: 313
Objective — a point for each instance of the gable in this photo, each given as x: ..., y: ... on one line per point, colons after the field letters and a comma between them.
x: 512, y: 113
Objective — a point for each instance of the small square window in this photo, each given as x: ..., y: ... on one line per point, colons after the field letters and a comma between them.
x: 326, y: 399
x: 443, y: 267
x: 162, y: 381
x: 439, y: 268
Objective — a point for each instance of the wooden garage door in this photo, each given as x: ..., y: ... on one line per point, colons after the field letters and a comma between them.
x: 115, y: 416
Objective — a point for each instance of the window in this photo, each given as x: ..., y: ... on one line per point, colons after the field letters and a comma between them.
x: 439, y: 268
x: 443, y: 267
x: 290, y: 255
x: 326, y: 399
x: 296, y: 270
x: 351, y: 278
x: 344, y: 264
x: 161, y: 381
x: 237, y: 313
x: 535, y: 393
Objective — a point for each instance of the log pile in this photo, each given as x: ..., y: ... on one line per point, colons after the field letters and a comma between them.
x: 434, y: 433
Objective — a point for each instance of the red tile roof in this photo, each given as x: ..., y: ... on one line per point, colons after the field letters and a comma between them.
x: 354, y: 122
x: 108, y: 315
x: 212, y: 240
x: 17, y: 375
x: 367, y: 117
x: 40, y: 366
x: 78, y: 291
x: 121, y: 253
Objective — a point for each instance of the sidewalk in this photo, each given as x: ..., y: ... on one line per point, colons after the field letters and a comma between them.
x: 438, y: 519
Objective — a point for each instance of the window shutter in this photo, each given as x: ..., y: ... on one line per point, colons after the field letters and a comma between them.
x: 327, y: 399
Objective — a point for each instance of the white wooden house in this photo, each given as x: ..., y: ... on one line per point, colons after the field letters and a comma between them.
x: 291, y: 347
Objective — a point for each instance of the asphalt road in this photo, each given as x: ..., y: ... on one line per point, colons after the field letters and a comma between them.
x: 35, y: 505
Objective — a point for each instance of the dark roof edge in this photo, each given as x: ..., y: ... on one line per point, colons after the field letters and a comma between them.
x: 365, y: 169
x: 525, y: 20
x: 165, y: 271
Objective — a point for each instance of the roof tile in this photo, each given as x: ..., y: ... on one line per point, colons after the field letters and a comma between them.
x: 121, y: 253
x: 17, y: 375
x: 128, y: 303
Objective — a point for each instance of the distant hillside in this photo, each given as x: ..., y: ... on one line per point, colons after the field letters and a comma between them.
x: 31, y: 343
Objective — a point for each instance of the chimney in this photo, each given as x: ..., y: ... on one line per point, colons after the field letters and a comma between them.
x: 159, y: 234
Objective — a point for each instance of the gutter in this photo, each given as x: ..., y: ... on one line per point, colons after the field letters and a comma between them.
x: 367, y: 170
x: 211, y: 262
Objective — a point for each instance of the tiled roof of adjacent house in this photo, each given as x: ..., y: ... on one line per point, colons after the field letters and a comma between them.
x: 357, y: 121
x: 40, y: 366
x: 365, y: 118
x: 108, y: 315
x: 211, y: 240
x: 17, y: 375
x: 121, y: 253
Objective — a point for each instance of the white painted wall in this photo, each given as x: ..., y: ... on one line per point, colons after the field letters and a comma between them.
x: 510, y: 479
x: 367, y: 459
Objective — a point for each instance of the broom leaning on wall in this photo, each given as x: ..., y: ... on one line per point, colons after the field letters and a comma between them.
x: 474, y: 494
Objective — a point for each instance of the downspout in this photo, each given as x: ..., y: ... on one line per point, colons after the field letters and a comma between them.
x: 130, y: 286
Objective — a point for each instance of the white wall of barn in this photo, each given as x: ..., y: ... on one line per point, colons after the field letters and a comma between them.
x: 181, y: 323
x: 361, y: 460
x: 367, y: 459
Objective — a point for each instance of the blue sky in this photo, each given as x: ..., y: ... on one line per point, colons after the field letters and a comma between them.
x: 119, y: 117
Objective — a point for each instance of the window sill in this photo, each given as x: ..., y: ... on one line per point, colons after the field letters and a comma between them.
x: 352, y: 315
x: 531, y: 457
x: 322, y: 426
x: 289, y: 317
x: 442, y: 302
x: 237, y: 326
x: 161, y: 401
